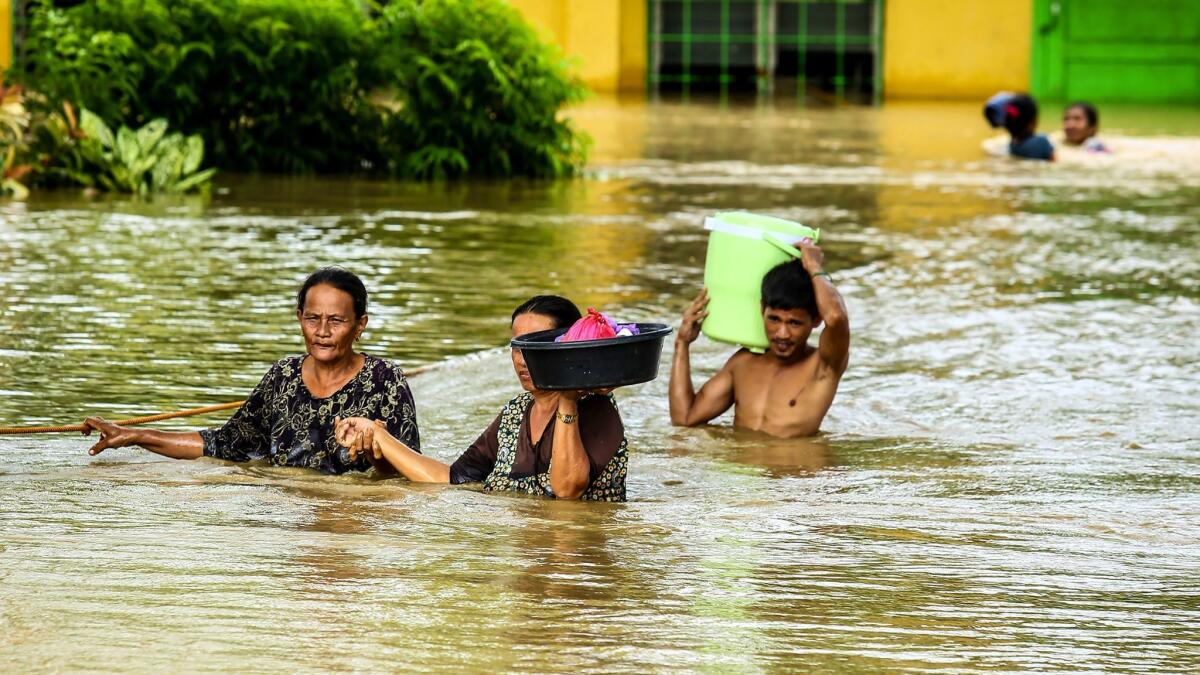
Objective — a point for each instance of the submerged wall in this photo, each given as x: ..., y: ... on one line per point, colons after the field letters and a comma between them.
x: 931, y: 48
x: 6, y: 33
x: 606, y: 38
x: 955, y: 48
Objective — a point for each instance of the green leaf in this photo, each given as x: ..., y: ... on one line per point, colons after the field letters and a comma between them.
x: 17, y: 190
x: 202, y: 47
x: 92, y: 151
x: 166, y: 170
x: 193, y: 181
x: 127, y: 146
x: 193, y: 154
x: 121, y: 179
x: 143, y: 165
x: 150, y: 134
x: 95, y: 128
x: 81, y: 178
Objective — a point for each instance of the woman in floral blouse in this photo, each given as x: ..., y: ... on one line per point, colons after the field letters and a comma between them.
x: 289, y: 418
x: 564, y: 444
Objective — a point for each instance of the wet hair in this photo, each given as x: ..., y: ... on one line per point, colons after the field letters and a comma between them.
x: 341, y: 279
x: 788, y: 286
x: 561, y: 311
x: 1019, y: 113
x: 1089, y: 111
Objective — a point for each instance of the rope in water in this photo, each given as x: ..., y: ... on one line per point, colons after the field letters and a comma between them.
x: 134, y: 421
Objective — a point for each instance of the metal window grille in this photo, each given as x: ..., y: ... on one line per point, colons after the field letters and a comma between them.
x: 769, y: 46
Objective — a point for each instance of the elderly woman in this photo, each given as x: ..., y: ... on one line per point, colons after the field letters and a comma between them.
x: 564, y: 444
x: 290, y: 416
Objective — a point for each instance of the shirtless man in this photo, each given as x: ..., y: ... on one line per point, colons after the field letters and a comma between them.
x: 787, y: 390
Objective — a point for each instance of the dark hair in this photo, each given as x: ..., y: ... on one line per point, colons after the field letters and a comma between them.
x: 340, y: 279
x: 562, y: 311
x: 1019, y: 113
x: 1089, y: 111
x: 788, y: 286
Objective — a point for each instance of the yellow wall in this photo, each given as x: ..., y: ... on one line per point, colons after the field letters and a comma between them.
x: 606, y: 38
x: 547, y: 16
x: 633, y: 45
x: 955, y: 48
x: 593, y: 37
x: 5, y: 34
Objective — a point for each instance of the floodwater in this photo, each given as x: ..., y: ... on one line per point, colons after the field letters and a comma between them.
x: 1009, y: 478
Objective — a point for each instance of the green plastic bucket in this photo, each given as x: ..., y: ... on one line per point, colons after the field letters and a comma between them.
x: 742, y: 248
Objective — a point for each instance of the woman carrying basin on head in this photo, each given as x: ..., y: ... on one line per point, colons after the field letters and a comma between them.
x: 1018, y: 114
x: 288, y: 420
x: 564, y: 444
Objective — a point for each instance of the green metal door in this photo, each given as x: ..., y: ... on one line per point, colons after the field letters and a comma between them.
x: 1116, y: 50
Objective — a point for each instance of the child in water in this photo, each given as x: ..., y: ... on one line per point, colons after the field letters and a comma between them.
x: 1081, y: 121
x: 1018, y: 114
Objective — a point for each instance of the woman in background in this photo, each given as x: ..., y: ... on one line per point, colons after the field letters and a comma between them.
x: 1081, y: 123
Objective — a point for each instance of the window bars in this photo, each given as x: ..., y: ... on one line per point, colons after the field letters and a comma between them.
x: 768, y: 46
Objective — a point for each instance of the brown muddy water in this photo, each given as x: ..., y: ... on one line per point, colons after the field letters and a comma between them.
x: 1009, y: 478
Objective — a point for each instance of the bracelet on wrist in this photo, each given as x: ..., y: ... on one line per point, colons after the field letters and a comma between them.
x: 822, y: 274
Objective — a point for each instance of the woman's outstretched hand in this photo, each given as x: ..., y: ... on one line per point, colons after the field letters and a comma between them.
x: 111, y: 435
x: 357, y: 434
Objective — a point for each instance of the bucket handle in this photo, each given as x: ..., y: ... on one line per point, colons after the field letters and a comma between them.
x: 781, y: 244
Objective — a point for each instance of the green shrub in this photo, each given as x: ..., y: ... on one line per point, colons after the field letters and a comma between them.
x: 478, y: 91
x: 14, y: 131
x: 51, y: 148
x: 69, y: 60
x: 418, y: 88
x: 144, y: 160
x: 271, y: 85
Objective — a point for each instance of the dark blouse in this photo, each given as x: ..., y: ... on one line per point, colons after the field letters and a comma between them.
x: 1037, y: 146
x: 283, y: 423
x: 505, y: 457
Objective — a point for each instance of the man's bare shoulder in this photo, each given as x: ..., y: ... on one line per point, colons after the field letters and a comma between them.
x: 741, y: 358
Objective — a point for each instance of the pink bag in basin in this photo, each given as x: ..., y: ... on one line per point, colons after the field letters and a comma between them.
x: 596, y: 326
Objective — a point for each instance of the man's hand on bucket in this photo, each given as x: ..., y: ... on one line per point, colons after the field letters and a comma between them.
x: 693, y: 318
x: 811, y: 257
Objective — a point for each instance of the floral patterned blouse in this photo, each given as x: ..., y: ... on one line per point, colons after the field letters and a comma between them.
x: 505, y: 458
x: 283, y: 423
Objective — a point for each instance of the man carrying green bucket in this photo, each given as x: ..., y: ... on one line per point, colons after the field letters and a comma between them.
x: 777, y: 382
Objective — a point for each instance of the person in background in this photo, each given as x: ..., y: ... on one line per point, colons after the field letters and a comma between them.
x: 1081, y: 122
x: 1018, y: 114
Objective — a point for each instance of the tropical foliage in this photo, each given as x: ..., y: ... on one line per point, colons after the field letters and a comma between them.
x: 414, y: 88
x: 477, y: 91
x: 14, y: 125
x: 144, y: 160
x: 58, y: 147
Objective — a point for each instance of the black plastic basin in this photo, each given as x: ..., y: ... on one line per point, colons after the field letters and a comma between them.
x: 592, y: 364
